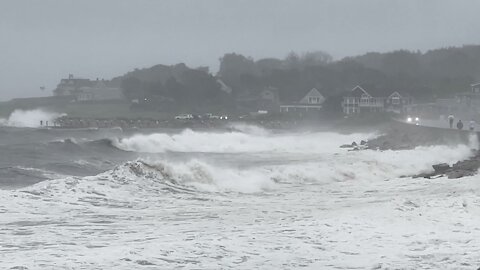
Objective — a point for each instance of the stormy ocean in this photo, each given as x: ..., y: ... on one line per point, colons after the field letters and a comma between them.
x: 247, y: 198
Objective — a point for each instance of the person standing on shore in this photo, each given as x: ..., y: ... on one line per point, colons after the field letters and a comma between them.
x: 450, y: 120
x: 460, y: 125
x: 471, y: 125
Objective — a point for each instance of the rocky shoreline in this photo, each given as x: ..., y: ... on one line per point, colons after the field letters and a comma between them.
x: 460, y: 169
x: 401, y: 136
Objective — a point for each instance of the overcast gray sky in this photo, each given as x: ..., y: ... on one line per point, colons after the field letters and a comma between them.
x: 42, y: 41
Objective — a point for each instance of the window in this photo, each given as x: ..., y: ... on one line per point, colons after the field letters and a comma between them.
x: 314, y: 100
x: 364, y: 100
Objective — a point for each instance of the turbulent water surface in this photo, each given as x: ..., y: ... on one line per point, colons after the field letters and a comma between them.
x: 247, y: 199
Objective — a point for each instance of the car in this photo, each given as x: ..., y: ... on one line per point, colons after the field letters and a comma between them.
x: 184, y: 117
x: 413, y: 120
x: 211, y: 116
x: 224, y: 117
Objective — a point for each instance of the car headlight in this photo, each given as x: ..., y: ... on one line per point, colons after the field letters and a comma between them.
x: 416, y: 118
x: 409, y: 119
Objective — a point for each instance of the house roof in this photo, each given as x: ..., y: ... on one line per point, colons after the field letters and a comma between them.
x: 358, y: 91
x: 394, y: 92
x: 302, y: 94
x: 402, y: 94
x: 314, y: 93
x: 475, y: 84
x: 76, y: 82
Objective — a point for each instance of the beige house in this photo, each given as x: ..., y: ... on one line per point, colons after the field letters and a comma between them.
x: 312, y: 101
x: 88, y: 90
x: 68, y: 87
x: 99, y: 91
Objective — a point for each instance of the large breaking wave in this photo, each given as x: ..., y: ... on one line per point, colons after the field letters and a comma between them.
x: 236, y: 142
x: 287, y: 158
x: 166, y: 210
x: 149, y: 178
x: 29, y: 118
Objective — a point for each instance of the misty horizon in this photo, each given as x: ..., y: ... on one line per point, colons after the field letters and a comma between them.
x: 46, y: 41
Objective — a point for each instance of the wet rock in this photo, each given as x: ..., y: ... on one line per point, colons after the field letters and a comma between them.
x: 353, y: 145
x: 470, y: 165
x: 144, y: 262
x: 460, y: 169
x: 441, y: 168
x: 345, y: 146
x: 459, y: 174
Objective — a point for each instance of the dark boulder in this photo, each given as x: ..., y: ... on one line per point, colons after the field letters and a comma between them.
x: 441, y: 168
x: 454, y: 174
x: 346, y: 146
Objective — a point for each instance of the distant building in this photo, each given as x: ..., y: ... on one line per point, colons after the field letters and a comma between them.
x: 312, y: 101
x: 264, y: 99
x: 68, y: 87
x: 476, y: 88
x: 101, y: 90
x: 465, y: 105
x: 88, y: 90
x: 358, y: 100
x: 397, y: 102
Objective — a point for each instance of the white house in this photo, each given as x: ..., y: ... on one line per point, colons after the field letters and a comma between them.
x: 312, y: 101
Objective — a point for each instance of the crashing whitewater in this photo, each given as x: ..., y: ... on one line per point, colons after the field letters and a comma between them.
x: 29, y: 118
x: 248, y: 199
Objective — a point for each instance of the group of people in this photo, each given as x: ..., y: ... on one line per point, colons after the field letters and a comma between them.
x: 451, y: 119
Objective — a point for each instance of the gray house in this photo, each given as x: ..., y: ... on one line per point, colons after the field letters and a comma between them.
x: 358, y: 100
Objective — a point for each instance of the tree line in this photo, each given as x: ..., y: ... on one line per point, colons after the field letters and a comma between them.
x: 426, y: 76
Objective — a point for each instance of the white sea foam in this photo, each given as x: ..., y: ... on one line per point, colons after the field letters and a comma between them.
x: 29, y: 118
x: 237, y: 142
x: 250, y: 129
x: 363, y: 166
x: 335, y: 209
x: 473, y: 141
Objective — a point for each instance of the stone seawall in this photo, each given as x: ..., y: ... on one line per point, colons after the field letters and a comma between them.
x: 401, y: 135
